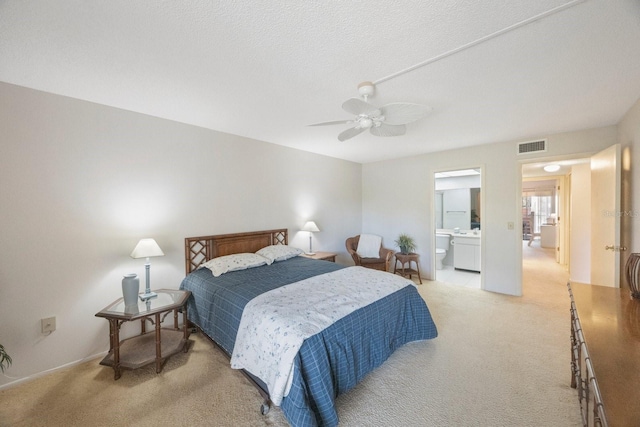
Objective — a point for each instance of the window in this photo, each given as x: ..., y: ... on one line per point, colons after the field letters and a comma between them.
x: 538, y: 206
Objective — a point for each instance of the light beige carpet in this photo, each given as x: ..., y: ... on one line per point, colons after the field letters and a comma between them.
x: 499, y: 361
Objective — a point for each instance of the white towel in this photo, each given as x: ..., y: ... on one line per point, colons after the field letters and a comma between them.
x: 369, y: 246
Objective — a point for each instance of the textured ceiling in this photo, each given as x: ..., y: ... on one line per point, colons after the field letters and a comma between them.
x: 266, y: 69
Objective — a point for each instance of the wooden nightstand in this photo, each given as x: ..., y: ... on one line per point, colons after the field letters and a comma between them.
x: 325, y: 256
x: 148, y: 347
x: 407, y: 259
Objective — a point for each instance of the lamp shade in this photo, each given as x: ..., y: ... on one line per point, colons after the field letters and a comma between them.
x: 310, y: 226
x: 146, y: 248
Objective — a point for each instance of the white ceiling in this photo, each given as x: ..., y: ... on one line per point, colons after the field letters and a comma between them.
x: 266, y: 69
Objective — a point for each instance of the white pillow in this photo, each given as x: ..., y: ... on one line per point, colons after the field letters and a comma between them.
x: 369, y: 246
x: 279, y: 252
x: 224, y: 264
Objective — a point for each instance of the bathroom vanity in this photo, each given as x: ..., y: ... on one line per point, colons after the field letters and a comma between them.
x: 466, y: 251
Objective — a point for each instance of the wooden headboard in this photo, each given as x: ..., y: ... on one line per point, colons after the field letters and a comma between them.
x: 203, y: 248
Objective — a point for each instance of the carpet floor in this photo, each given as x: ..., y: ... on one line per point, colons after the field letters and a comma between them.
x: 498, y: 361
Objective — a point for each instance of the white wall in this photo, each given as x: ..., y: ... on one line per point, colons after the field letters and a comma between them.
x: 580, y: 234
x: 398, y: 197
x: 81, y: 183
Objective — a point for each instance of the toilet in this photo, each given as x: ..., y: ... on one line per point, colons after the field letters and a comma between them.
x: 442, y: 246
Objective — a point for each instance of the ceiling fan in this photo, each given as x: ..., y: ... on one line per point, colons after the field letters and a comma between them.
x: 388, y: 120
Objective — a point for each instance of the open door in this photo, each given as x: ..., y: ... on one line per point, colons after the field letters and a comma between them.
x: 605, y: 217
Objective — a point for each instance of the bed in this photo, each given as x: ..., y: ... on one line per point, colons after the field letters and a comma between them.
x: 327, y: 363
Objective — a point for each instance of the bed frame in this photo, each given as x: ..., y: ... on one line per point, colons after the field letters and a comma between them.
x: 201, y: 249
x: 198, y: 250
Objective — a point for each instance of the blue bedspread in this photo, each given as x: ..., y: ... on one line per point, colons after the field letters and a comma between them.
x: 329, y: 363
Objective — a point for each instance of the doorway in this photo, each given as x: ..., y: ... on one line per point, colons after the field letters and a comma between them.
x: 546, y: 212
x: 587, y: 230
x: 540, y: 209
x: 458, y: 213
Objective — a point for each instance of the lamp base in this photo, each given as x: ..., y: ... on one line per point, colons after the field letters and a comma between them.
x: 309, y: 253
x: 147, y: 296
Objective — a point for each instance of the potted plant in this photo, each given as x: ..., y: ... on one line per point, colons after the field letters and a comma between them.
x: 5, y: 359
x: 406, y: 243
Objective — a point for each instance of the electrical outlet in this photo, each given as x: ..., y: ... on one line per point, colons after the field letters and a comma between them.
x: 48, y: 325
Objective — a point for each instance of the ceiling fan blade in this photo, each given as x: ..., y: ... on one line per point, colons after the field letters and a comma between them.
x: 335, y: 122
x: 350, y: 133
x: 388, y: 130
x: 358, y: 106
x: 401, y: 113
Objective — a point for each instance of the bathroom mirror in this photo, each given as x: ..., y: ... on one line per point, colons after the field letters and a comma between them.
x: 457, y: 200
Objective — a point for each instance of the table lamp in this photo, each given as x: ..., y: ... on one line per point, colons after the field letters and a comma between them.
x: 144, y: 249
x: 311, y: 227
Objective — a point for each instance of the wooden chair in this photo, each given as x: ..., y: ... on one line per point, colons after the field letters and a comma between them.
x: 381, y: 263
x: 527, y: 229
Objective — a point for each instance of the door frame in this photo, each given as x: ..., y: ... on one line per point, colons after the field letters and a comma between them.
x: 565, y: 232
x: 562, y: 204
x: 432, y: 232
x: 564, y: 239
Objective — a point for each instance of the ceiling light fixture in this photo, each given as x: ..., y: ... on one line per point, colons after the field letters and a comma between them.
x: 365, y: 123
x: 551, y: 168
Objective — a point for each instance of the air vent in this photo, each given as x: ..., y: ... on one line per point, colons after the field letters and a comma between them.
x: 532, y: 147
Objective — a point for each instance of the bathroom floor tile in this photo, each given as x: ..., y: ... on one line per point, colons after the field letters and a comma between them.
x: 458, y: 277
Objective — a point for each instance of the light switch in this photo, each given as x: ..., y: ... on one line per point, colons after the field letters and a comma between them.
x: 48, y: 325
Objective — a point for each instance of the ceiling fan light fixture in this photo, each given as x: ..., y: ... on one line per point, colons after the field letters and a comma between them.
x: 365, y: 122
x: 388, y: 120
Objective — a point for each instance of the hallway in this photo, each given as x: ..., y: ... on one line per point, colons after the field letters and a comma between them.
x: 543, y: 279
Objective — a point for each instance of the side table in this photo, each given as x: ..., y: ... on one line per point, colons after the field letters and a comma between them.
x: 326, y: 256
x: 407, y: 259
x: 148, y: 347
